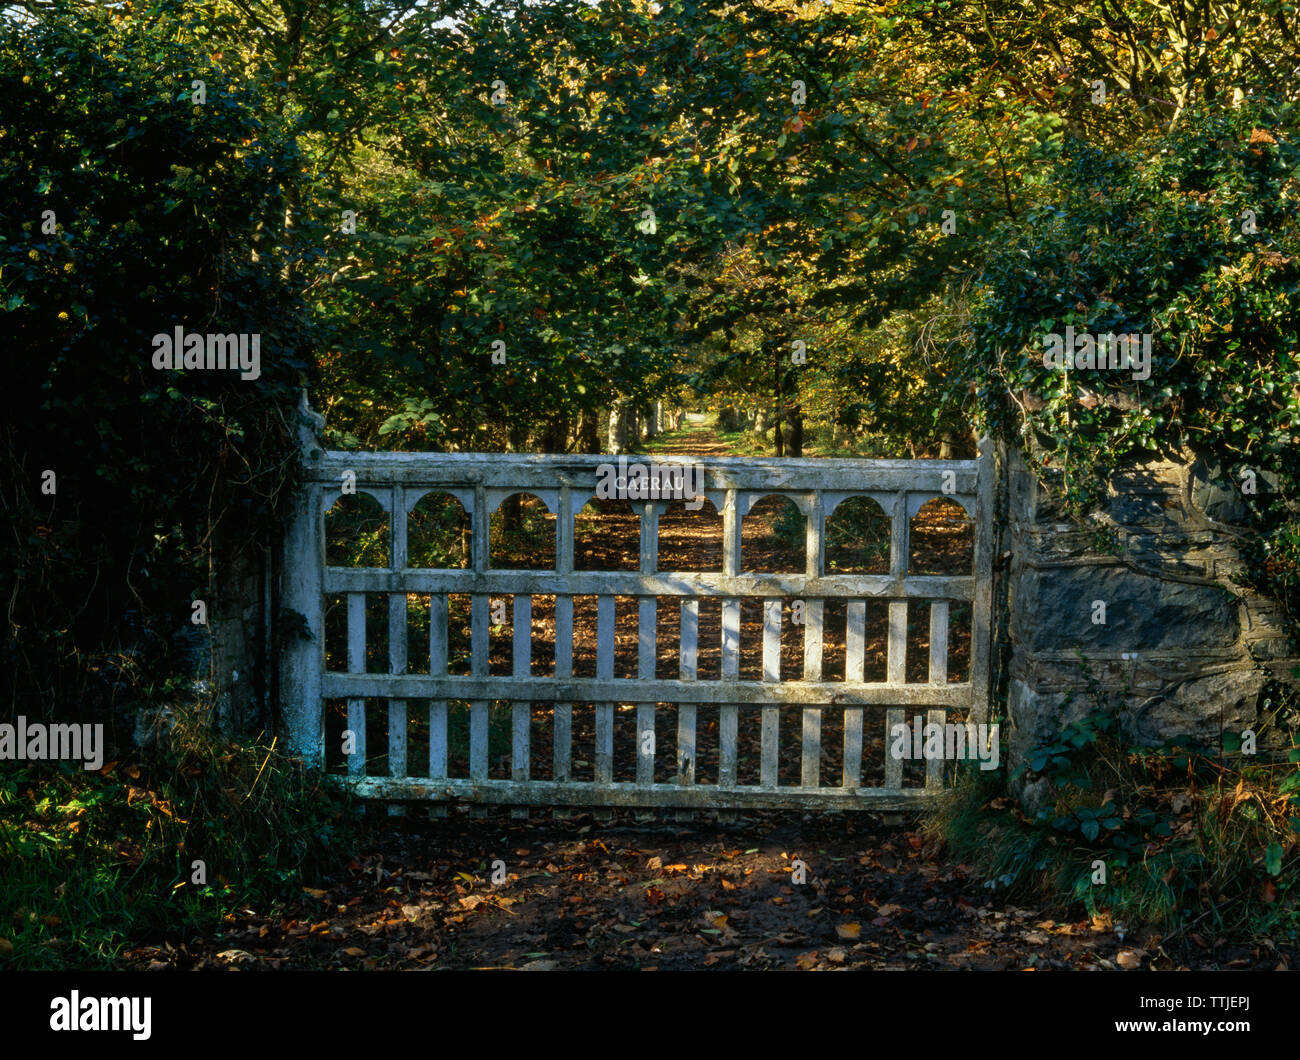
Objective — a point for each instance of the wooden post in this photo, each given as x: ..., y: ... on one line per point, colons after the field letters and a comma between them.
x: 302, y: 658
x: 982, y: 606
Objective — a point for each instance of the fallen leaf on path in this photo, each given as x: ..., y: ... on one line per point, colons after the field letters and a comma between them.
x: 236, y: 955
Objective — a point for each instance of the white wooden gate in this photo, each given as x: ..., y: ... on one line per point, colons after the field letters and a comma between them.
x: 481, y: 481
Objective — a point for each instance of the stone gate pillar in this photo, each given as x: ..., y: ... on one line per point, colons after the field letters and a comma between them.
x: 1177, y: 644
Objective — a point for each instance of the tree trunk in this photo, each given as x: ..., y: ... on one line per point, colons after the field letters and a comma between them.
x: 588, y: 433
x: 794, y: 417
x: 618, y: 425
x: 654, y: 420
x: 555, y: 436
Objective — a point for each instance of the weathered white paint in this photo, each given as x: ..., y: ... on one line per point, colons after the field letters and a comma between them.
x: 482, y: 480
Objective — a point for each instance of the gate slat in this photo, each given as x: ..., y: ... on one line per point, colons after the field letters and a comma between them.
x: 728, y: 715
x: 397, y: 665
x: 893, y: 766
x: 562, y: 731
x: 810, y: 770
x: 479, y: 646
x: 688, y: 671
x: 895, y: 674
x: 854, y: 662
x: 397, y: 642
x: 520, y: 712
x: 896, y: 647
x: 438, y: 666
x: 357, y: 665
x: 728, y: 719
x: 811, y: 737
x: 604, y: 711
x: 770, y: 744
x: 479, y: 608
x: 647, y: 616
x: 562, y: 713
x: 898, y: 537
x: 938, y: 676
x: 520, y: 750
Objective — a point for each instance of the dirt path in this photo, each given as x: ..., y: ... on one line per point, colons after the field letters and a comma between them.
x: 577, y: 894
x: 691, y: 439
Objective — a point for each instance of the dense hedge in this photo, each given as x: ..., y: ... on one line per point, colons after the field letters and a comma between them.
x: 1158, y: 240
x: 165, y: 214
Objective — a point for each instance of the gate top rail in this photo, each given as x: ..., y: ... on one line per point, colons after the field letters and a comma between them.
x: 505, y: 470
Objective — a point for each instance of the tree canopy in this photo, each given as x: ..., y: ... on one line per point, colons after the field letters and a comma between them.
x: 483, y: 226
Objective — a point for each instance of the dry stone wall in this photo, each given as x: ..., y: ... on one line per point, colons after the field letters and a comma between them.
x: 1148, y: 602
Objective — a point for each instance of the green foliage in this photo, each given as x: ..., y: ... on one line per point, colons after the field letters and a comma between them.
x: 163, y: 212
x: 1151, y: 240
x: 1187, y: 834
x: 92, y: 864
